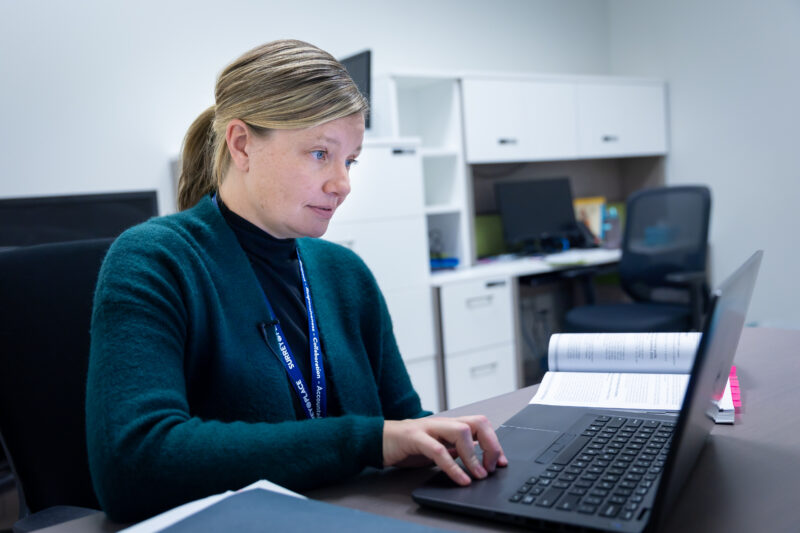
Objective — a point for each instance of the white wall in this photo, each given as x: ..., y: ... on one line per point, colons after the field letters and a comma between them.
x: 97, y: 95
x: 733, y: 69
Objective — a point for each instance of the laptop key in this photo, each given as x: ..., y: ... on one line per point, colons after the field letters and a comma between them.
x: 587, y: 509
x: 571, y: 450
x: 515, y: 498
x: 549, y: 497
x: 609, y: 510
x: 568, y: 502
x: 592, y: 500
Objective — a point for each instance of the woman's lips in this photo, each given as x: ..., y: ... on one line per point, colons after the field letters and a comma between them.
x: 324, y: 212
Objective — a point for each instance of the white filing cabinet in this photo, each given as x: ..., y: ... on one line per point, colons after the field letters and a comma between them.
x: 383, y: 221
x: 478, y: 339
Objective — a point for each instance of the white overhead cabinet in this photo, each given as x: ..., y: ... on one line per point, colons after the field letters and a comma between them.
x: 621, y: 119
x: 515, y: 120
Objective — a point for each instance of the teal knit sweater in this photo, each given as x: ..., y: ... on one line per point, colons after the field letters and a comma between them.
x: 184, y: 398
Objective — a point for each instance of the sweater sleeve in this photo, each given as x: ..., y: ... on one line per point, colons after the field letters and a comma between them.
x: 147, y: 450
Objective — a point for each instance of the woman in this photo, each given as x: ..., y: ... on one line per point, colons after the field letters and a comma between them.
x: 227, y: 345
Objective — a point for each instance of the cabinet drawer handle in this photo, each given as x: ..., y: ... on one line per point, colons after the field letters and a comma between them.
x: 403, y: 151
x: 492, y: 284
x: 506, y: 140
x: 483, y: 370
x: 479, y: 301
x: 610, y: 138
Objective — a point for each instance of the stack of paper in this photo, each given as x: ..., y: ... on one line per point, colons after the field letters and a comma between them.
x: 731, y: 401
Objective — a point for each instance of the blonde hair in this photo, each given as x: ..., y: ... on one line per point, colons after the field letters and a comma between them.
x: 284, y: 84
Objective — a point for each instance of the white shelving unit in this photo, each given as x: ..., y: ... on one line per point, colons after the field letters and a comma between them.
x: 466, y: 119
x: 428, y: 107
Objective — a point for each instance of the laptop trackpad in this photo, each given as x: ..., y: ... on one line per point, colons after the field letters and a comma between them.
x: 525, y: 443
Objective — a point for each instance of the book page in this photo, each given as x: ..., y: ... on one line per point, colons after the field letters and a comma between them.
x: 671, y: 353
x: 656, y: 392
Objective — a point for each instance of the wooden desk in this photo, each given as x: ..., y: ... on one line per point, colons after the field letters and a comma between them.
x: 747, y: 478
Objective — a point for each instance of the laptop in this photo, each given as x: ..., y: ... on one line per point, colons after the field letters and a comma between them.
x: 606, y: 469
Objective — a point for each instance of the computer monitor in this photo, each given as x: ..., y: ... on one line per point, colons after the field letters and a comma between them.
x: 46, y: 219
x: 537, y: 214
x: 359, y: 66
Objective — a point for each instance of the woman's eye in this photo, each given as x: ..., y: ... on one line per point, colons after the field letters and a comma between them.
x: 319, y: 155
x: 350, y: 162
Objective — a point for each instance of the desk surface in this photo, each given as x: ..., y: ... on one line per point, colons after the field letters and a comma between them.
x: 526, y: 266
x: 747, y: 477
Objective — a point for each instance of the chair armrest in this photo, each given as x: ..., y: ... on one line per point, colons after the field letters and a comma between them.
x: 51, y: 516
x: 687, y: 278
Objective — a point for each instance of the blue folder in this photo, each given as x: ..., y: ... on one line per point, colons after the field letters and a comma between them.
x: 263, y: 510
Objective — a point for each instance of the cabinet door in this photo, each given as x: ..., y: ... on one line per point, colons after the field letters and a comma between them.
x: 425, y: 379
x: 621, y: 120
x: 395, y: 250
x: 514, y: 120
x: 386, y: 182
x: 475, y: 376
x: 475, y: 314
x: 411, y: 310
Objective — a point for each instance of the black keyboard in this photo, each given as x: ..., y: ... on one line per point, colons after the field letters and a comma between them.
x: 607, y: 470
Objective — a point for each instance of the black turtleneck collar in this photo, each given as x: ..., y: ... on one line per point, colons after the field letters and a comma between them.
x: 256, y: 241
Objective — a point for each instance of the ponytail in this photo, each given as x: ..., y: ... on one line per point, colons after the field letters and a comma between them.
x: 197, y: 162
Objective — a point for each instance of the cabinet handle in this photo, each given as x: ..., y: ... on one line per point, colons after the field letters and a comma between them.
x: 403, y: 151
x: 610, y: 138
x: 479, y: 301
x: 483, y: 370
x: 492, y: 284
x: 506, y: 140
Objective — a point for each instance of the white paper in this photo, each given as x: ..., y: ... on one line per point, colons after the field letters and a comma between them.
x: 167, y: 518
x: 653, y: 392
x: 623, y: 352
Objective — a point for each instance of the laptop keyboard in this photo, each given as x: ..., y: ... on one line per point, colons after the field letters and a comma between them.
x: 607, y: 470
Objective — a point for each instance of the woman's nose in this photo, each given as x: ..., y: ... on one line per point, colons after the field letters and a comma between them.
x: 339, y: 182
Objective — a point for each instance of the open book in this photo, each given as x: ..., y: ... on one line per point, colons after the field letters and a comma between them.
x: 648, y: 371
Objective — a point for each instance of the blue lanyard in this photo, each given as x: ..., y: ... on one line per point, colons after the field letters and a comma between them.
x: 314, y: 400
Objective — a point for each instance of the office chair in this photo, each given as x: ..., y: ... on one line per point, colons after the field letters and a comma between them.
x: 46, y: 294
x: 663, y: 266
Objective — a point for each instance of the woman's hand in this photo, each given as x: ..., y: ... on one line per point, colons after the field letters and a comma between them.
x: 419, y: 441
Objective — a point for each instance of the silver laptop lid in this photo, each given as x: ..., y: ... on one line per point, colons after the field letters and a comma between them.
x: 710, y: 372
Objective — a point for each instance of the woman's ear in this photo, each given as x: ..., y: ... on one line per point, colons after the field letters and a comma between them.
x: 237, y: 135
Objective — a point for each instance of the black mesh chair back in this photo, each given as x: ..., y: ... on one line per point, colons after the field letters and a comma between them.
x: 46, y: 294
x: 663, y: 266
x: 666, y: 232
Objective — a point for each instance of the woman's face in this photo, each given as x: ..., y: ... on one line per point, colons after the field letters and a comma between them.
x: 296, y: 179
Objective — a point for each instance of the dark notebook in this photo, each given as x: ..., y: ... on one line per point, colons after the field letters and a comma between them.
x: 260, y: 510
